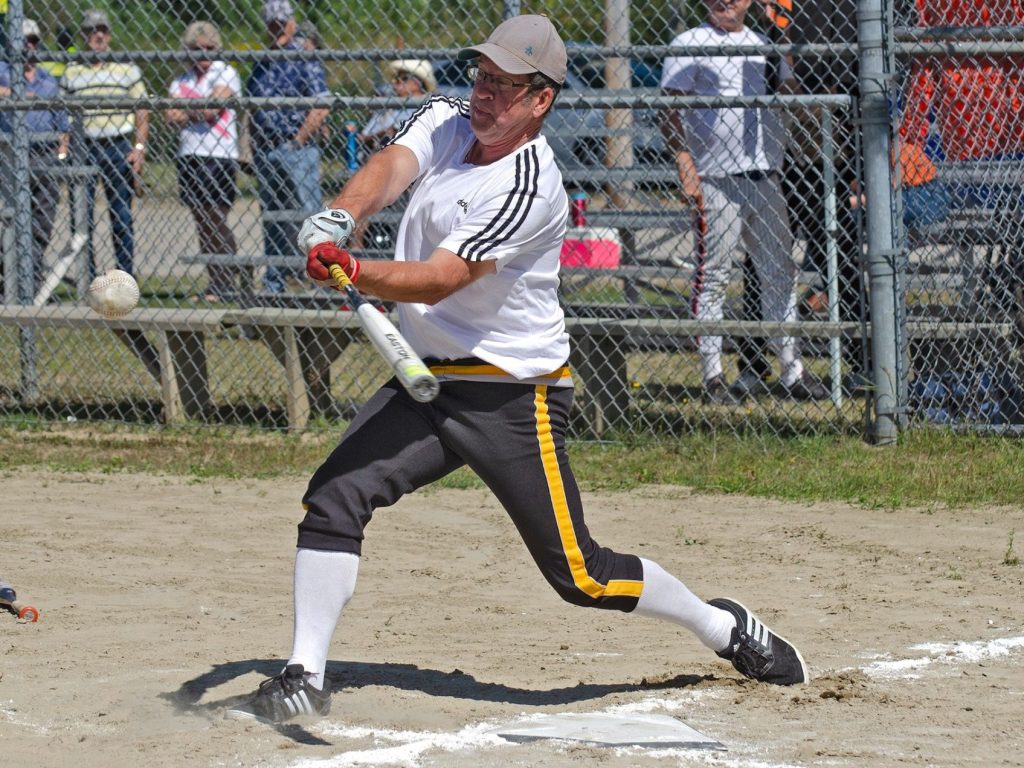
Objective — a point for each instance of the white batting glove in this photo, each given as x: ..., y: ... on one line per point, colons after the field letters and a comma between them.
x: 333, y: 225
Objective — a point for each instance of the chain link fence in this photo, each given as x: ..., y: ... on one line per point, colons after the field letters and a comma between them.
x: 852, y: 264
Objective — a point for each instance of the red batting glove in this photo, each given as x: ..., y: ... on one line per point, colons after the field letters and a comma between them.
x: 322, y: 255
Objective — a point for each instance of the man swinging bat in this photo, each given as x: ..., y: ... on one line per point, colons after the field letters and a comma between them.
x: 475, y: 277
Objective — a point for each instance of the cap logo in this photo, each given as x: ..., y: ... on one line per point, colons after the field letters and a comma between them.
x: 529, y: 50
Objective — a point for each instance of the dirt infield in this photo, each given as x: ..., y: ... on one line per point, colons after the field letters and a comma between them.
x: 162, y: 600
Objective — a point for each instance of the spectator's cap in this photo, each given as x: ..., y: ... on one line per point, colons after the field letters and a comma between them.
x: 201, y: 33
x: 309, y: 32
x: 29, y: 28
x: 277, y: 10
x: 95, y: 19
x: 421, y: 69
x: 523, y: 45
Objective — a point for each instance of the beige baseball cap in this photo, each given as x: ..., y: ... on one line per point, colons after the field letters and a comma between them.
x: 29, y: 28
x: 523, y: 45
x: 421, y: 69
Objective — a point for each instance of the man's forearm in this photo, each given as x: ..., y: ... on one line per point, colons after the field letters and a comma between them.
x: 141, y: 126
x: 314, y: 119
x: 688, y: 176
x: 384, y: 177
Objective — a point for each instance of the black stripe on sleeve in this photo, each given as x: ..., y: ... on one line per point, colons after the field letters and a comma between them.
x: 513, y: 212
x: 461, y: 105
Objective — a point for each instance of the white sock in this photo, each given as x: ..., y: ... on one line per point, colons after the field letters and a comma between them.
x: 666, y: 597
x: 324, y: 583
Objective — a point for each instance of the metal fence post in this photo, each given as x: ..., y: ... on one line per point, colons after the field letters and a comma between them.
x: 874, y: 34
x: 22, y: 199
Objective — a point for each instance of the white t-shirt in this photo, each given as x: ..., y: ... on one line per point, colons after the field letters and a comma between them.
x: 219, y: 139
x: 512, y: 212
x: 729, y: 140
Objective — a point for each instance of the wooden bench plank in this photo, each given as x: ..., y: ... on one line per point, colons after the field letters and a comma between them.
x: 140, y: 318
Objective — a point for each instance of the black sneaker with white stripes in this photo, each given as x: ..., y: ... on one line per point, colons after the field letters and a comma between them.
x: 283, y: 697
x: 759, y: 653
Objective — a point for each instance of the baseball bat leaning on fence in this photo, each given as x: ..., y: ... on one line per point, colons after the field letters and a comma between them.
x: 9, y: 599
x: 412, y: 372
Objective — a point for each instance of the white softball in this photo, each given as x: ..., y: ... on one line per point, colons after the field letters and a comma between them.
x: 113, y: 294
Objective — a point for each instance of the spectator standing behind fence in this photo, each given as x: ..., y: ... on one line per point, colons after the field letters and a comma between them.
x: 803, y: 183
x: 752, y: 364
x: 114, y: 139
x: 208, y: 152
x: 309, y: 38
x: 409, y: 79
x: 49, y: 145
x: 286, y: 157
x: 724, y: 159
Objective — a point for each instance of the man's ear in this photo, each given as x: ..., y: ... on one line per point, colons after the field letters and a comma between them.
x: 545, y: 97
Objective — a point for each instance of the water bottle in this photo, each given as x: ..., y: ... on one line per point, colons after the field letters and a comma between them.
x: 579, y: 209
x: 351, y: 146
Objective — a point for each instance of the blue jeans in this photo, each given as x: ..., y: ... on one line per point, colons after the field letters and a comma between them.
x: 289, y: 179
x: 110, y: 156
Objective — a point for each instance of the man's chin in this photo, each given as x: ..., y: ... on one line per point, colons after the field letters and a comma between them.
x: 478, y: 121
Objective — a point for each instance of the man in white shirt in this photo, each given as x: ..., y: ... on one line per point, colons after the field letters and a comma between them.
x: 475, y: 276
x: 728, y: 161
x: 207, y: 160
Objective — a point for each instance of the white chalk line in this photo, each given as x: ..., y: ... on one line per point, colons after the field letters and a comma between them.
x: 958, y: 652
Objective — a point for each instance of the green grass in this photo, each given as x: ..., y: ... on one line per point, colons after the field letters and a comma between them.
x: 927, y: 469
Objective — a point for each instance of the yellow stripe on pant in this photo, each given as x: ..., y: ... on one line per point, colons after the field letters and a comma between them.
x: 574, y: 557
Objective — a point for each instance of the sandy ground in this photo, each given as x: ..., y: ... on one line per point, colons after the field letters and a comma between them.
x: 164, y: 600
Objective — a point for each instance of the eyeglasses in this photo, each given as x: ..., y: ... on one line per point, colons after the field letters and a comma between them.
x: 500, y: 82
x: 93, y: 30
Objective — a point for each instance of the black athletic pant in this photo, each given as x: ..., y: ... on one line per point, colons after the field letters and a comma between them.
x: 513, y: 437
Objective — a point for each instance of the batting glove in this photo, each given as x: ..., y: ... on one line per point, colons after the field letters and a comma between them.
x: 334, y: 225
x: 320, y: 259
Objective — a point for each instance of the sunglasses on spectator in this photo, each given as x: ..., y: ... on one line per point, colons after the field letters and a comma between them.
x: 501, y: 82
x: 94, y: 30
x: 32, y: 39
x: 403, y: 77
x: 210, y: 48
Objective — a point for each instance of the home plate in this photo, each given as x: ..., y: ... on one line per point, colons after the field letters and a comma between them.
x: 608, y: 730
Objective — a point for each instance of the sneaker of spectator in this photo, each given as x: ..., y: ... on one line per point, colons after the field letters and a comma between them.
x: 857, y: 384
x: 749, y: 384
x: 807, y: 387
x: 717, y: 392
